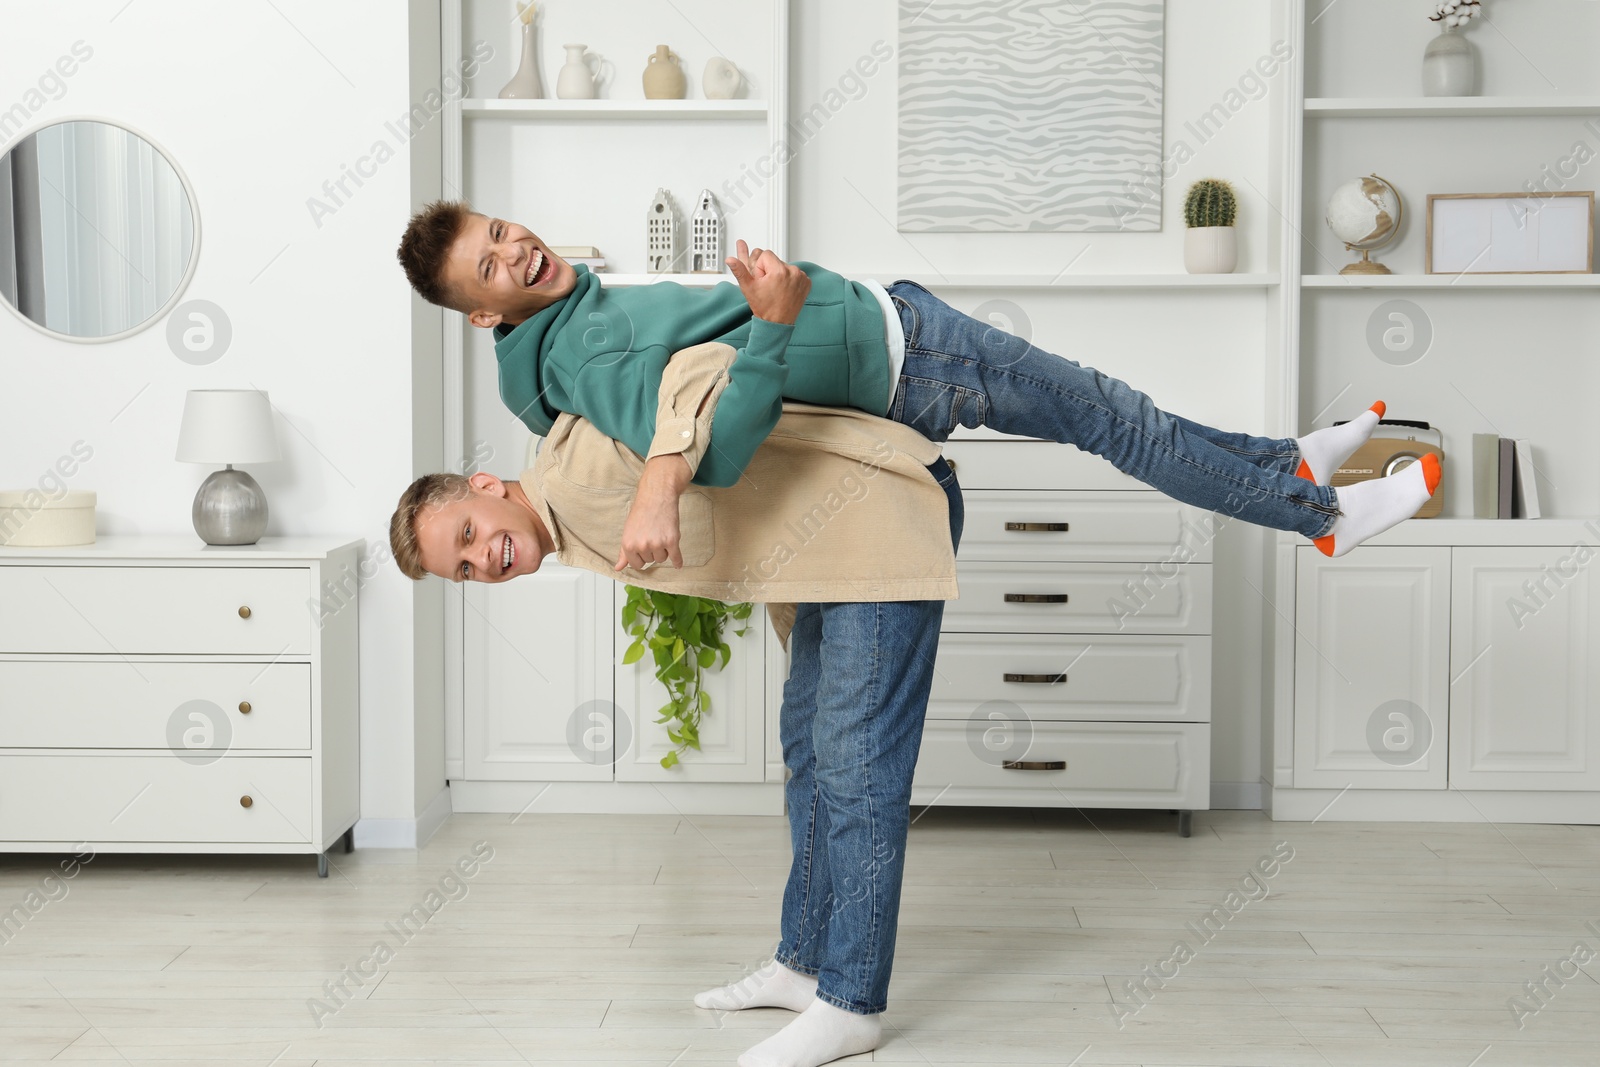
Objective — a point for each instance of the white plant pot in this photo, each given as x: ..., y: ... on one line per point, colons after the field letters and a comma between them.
x: 1210, y: 250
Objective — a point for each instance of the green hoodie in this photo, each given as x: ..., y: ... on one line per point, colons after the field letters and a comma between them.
x: 599, y: 353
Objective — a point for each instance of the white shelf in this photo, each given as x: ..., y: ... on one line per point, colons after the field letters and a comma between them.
x: 1464, y: 106
x: 614, y: 109
x: 1475, y: 533
x: 1071, y: 281
x: 608, y: 279
x: 1450, y: 281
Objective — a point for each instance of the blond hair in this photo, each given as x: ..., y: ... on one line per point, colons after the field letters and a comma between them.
x: 428, y: 493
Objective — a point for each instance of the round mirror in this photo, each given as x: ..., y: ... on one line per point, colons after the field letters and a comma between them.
x: 99, y: 234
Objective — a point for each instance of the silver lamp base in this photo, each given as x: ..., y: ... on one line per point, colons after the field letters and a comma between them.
x: 230, y: 509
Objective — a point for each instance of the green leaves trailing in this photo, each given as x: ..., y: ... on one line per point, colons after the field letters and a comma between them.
x: 683, y: 634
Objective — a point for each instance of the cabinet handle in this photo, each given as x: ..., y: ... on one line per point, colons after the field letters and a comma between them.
x: 245, y: 801
x: 244, y: 707
x: 1036, y: 598
x: 1037, y: 527
x: 244, y: 611
x: 951, y: 464
x: 1036, y: 679
x: 1034, y: 765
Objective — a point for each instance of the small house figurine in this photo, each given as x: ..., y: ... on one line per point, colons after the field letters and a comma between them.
x: 705, y: 236
x: 662, y: 251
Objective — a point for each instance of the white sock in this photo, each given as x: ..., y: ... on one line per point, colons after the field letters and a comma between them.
x: 773, y: 986
x: 1369, y: 508
x: 822, y: 1034
x: 1322, y: 452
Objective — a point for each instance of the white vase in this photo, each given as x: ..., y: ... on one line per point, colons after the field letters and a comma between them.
x: 1450, y: 65
x: 1210, y: 250
x: 525, y: 84
x: 721, y: 79
x: 575, y: 82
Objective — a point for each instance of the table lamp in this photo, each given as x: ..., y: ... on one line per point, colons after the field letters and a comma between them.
x: 228, y: 426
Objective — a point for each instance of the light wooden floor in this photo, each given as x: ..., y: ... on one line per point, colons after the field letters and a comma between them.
x: 585, y: 936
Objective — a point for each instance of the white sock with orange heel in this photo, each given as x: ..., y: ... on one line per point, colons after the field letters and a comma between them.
x: 1323, y: 451
x: 1369, y: 508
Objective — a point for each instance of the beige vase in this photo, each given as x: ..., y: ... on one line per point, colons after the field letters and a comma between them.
x: 663, y: 78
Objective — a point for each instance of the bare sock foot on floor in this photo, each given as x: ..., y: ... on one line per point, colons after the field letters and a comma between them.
x: 773, y: 986
x: 1322, y: 452
x: 1369, y: 508
x: 822, y: 1034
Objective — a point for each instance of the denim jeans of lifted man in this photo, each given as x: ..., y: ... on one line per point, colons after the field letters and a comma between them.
x: 851, y: 725
x: 962, y: 371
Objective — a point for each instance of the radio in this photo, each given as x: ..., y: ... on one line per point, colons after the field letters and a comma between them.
x: 1384, y: 455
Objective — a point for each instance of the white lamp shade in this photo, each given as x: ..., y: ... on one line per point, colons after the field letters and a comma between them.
x: 227, y: 426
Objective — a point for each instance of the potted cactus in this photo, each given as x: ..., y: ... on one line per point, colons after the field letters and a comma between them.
x: 1209, y: 211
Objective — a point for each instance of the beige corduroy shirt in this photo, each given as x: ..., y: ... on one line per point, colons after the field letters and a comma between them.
x: 837, y: 505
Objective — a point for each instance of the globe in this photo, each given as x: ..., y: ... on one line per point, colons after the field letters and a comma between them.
x: 1365, y: 214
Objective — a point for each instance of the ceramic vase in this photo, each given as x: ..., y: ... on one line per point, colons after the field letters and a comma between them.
x: 721, y: 80
x: 663, y: 78
x: 1210, y: 250
x: 576, y: 81
x: 524, y: 84
x: 1450, y: 65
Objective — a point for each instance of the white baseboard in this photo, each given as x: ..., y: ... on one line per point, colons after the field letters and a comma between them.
x: 1238, y: 796
x: 405, y: 833
x: 619, y: 798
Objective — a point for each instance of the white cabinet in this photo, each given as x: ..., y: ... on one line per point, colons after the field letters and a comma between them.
x: 538, y: 657
x: 1372, y: 671
x: 159, y: 695
x: 1466, y: 669
x: 549, y: 700
x: 1075, y: 668
x: 1525, y: 659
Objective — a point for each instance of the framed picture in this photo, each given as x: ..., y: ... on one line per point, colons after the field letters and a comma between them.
x: 1511, y: 233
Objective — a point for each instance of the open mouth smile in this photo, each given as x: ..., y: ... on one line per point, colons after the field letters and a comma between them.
x: 508, y: 554
x: 541, y: 268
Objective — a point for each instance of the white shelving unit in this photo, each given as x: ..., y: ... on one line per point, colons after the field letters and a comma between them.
x: 1505, y: 361
x: 596, y: 110
x: 1452, y: 106
x: 1082, y: 281
x: 585, y: 172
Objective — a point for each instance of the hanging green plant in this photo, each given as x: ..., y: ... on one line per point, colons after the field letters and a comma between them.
x: 684, y: 634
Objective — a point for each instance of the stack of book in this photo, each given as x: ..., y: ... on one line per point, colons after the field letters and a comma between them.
x: 1503, y: 478
x: 588, y: 255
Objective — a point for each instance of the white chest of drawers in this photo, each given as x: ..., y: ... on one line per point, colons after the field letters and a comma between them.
x: 160, y: 695
x: 1075, y: 669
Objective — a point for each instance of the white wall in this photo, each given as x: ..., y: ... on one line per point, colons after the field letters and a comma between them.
x: 1201, y: 354
x: 259, y: 104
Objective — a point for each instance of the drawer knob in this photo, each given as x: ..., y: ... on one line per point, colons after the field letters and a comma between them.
x: 1036, y: 598
x: 1034, y: 765
x: 244, y: 707
x: 245, y: 801
x: 951, y: 464
x: 244, y: 611
x: 1036, y: 679
x: 1037, y: 527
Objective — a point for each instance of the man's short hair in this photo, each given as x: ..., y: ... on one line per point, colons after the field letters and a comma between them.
x: 428, y: 493
x: 425, y: 248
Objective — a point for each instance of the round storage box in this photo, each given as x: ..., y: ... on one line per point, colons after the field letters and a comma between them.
x: 31, y: 519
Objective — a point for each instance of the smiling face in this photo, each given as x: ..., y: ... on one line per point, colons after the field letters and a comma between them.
x: 491, y: 535
x: 504, y: 272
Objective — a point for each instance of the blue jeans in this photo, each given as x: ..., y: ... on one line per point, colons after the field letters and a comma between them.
x: 851, y: 725
x: 962, y: 371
